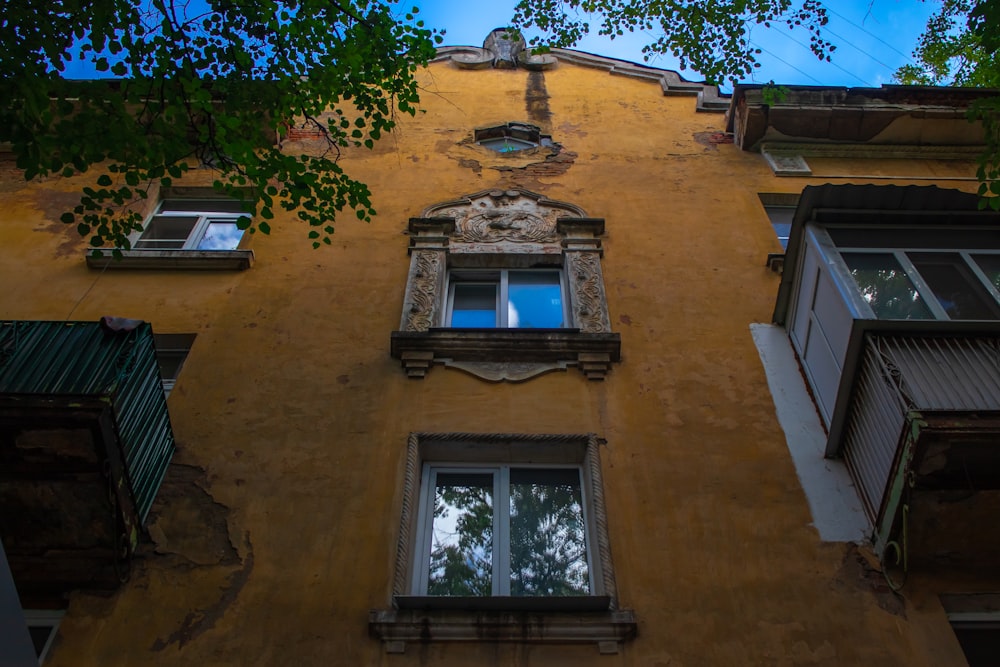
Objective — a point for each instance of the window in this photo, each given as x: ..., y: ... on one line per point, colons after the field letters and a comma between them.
x: 190, y: 229
x: 507, y: 298
x: 503, y: 536
x: 511, y: 137
x: 926, y: 274
x: 502, y: 530
x: 506, y: 285
x: 193, y: 224
x: 171, y: 351
x: 780, y: 208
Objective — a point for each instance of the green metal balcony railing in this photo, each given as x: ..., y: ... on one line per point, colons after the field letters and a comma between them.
x: 85, y: 441
x: 61, y: 361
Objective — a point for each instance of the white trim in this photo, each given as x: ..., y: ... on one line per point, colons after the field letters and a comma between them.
x: 836, y: 509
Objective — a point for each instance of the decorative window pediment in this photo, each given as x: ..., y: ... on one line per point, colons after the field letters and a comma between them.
x: 489, y: 236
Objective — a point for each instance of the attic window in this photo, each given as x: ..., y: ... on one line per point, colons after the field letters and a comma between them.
x: 511, y: 137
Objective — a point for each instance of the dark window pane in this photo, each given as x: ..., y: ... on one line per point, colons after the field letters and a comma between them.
x: 534, y: 300
x: 886, y: 287
x: 980, y: 642
x: 957, y: 289
x: 166, y: 232
x: 474, y: 305
x: 40, y: 635
x: 990, y: 264
x: 548, y: 548
x: 461, y: 559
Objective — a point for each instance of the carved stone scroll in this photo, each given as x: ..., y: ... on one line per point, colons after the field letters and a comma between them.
x: 586, y: 286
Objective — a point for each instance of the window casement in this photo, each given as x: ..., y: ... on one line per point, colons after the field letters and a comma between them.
x: 506, y: 532
x: 506, y: 298
x: 198, y: 232
x: 506, y: 285
x: 924, y: 274
x: 511, y: 137
x: 503, y: 530
x: 193, y: 224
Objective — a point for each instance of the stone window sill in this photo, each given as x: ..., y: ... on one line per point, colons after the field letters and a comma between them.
x: 541, y: 349
x: 608, y: 629
x: 175, y: 260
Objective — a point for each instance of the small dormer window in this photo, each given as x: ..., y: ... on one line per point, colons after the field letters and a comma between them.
x: 511, y: 137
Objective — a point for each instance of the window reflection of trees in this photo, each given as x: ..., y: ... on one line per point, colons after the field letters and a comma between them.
x: 461, y: 561
x: 545, y: 523
x: 548, y: 551
x: 886, y: 287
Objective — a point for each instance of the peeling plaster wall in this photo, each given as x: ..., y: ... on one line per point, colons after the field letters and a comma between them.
x: 274, y: 533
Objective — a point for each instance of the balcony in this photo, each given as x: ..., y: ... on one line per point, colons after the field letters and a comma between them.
x: 921, y: 436
x: 85, y: 440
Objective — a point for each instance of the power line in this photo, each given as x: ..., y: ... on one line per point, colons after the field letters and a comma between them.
x: 860, y: 50
x: 805, y: 46
x: 780, y: 59
x: 867, y: 32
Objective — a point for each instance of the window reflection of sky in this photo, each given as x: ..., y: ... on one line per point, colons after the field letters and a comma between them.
x: 535, y: 306
x: 221, y: 236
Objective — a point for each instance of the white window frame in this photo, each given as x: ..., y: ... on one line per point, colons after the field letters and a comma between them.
x: 206, y: 216
x: 501, y: 520
x: 468, y: 451
x: 901, y: 254
x: 501, y: 279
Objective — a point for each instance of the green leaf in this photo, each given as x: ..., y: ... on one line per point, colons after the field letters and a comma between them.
x: 264, y: 227
x: 68, y: 219
x: 104, y: 180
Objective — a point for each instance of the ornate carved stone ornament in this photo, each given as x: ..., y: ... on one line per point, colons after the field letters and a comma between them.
x: 497, y: 230
x: 504, y: 48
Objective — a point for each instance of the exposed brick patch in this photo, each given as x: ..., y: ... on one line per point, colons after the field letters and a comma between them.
x: 471, y: 164
x: 861, y: 570
x: 555, y: 164
x: 712, y: 139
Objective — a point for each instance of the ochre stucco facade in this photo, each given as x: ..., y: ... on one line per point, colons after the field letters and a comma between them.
x: 275, y: 531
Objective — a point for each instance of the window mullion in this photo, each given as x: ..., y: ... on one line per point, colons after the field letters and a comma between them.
x: 196, y: 232
x: 503, y: 306
x: 501, y: 532
x: 980, y: 274
x: 921, y: 286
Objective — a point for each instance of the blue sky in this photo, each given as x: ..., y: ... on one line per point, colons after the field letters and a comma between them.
x: 873, y: 38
